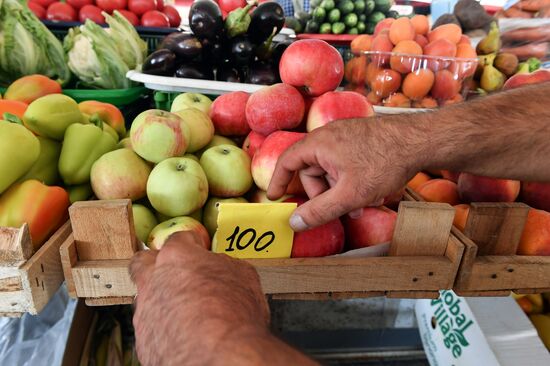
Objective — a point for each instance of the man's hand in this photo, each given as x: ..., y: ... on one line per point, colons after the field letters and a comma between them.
x: 345, y: 166
x: 191, y: 302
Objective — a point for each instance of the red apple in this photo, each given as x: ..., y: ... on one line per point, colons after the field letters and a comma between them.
x: 276, y: 107
x: 265, y: 159
x: 536, y: 195
x: 228, y: 114
x: 313, y: 66
x: 327, y: 239
x: 259, y: 196
x: 337, y: 105
x: 375, y: 226
x: 518, y: 80
x: 252, y: 143
x: 230, y: 5
x: 473, y: 188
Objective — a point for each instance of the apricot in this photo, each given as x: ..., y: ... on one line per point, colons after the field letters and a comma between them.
x: 381, y: 43
x: 401, y: 30
x: 419, y: 179
x: 439, y: 190
x: 426, y: 102
x: 464, y: 68
x: 445, y: 85
x: 440, y: 48
x: 418, y: 84
x: 536, y: 234
x: 385, y: 82
x: 361, y: 44
x: 373, y: 98
x: 397, y: 100
x: 450, y: 32
x: 464, y: 39
x: 355, y: 70
x: 452, y: 176
x: 461, y: 215
x: 420, y: 24
x: 372, y: 69
x: 383, y: 25
x: 536, y: 195
x: 403, y: 63
x: 421, y: 40
x: 473, y: 188
x: 454, y: 100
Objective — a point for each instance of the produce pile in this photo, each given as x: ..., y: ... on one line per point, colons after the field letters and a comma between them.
x: 237, y: 49
x: 48, y: 143
x: 342, y: 16
x: 470, y: 15
x: 97, y: 57
x: 407, y: 65
x: 537, y: 308
x: 145, y: 13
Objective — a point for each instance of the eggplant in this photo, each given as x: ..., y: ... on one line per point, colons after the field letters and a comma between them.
x: 278, y: 50
x: 185, y: 45
x: 161, y: 62
x: 213, y: 53
x: 227, y: 73
x: 266, y: 19
x: 262, y: 73
x: 242, y: 51
x: 195, y: 71
x: 205, y: 19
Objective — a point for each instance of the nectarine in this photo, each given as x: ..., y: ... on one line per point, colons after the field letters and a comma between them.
x: 536, y: 195
x: 439, y: 190
x: 473, y: 188
x: 536, y: 234
x: 419, y: 179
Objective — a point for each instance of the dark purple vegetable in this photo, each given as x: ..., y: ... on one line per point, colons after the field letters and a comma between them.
x: 213, y: 52
x: 161, y: 62
x: 265, y: 19
x: 205, y: 19
x: 185, y: 45
x: 262, y: 73
x: 242, y: 51
x: 227, y: 73
x: 277, y: 52
x: 195, y: 71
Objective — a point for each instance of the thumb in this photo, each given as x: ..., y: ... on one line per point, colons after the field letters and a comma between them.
x: 324, y: 208
x: 142, y: 267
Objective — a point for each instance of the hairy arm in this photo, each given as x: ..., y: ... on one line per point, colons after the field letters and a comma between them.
x: 348, y: 165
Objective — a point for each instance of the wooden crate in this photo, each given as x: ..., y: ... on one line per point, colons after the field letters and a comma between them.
x: 423, y: 259
x: 490, y: 266
x: 27, y: 280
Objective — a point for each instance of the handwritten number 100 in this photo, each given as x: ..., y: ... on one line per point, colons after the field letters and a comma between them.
x: 239, y: 240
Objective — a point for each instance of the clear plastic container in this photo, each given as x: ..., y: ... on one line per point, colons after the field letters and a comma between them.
x: 403, y: 80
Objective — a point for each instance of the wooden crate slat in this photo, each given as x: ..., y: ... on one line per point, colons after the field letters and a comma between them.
x: 10, y: 284
x: 496, y: 293
x: 412, y: 294
x: 327, y: 295
x: 108, y: 301
x: 14, y: 302
x: 103, y: 279
x: 15, y: 244
x: 69, y: 259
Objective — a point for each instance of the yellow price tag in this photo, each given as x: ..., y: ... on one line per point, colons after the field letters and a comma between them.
x: 254, y: 230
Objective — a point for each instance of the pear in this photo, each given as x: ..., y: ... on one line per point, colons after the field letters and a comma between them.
x: 491, y: 43
x: 492, y: 79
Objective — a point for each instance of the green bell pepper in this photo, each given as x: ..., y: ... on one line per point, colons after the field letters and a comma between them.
x: 80, y: 192
x: 82, y: 146
x: 238, y: 20
x: 45, y: 168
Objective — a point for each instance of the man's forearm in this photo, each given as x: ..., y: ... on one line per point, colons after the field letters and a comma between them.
x: 506, y: 135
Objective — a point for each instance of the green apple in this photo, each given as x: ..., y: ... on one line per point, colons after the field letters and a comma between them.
x: 162, y: 231
x: 120, y: 174
x: 80, y: 192
x: 157, y: 135
x: 144, y: 221
x: 216, y: 141
x: 124, y: 143
x: 227, y: 169
x: 197, y: 215
x: 210, y: 216
x: 191, y: 156
x: 259, y: 196
x: 191, y: 100
x: 177, y: 187
x: 200, y: 127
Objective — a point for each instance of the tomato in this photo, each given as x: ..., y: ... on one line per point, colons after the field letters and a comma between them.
x: 37, y: 9
x: 140, y: 7
x: 78, y: 4
x: 61, y: 12
x: 93, y: 13
x: 229, y: 5
x: 44, y: 3
x: 160, y: 5
x: 173, y: 16
x: 156, y: 19
x: 132, y: 18
x: 110, y: 5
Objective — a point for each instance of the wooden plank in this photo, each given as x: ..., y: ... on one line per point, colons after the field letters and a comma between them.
x: 327, y: 295
x: 454, y: 252
x: 502, y: 293
x: 11, y: 315
x: 422, y: 228
x: 10, y: 284
x: 496, y: 228
x: 69, y: 259
x: 412, y: 294
x: 15, y: 244
x: 103, y: 279
x: 103, y: 229
x: 42, y: 275
x: 528, y: 291
x: 468, y: 259
x: 14, y: 302
x: 109, y: 301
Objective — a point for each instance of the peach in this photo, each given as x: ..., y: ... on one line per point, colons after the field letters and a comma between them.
x: 362, y: 43
x: 374, y: 226
x: 439, y: 190
x: 518, y: 80
x: 461, y: 216
x: 419, y: 179
x: 473, y: 188
x: 397, y: 100
x: 383, y: 25
x: 401, y: 30
x: 418, y: 84
x: 402, y: 63
x: 420, y: 24
x: 450, y: 32
x: 445, y: 85
x: 421, y: 40
x: 381, y: 43
x: 452, y: 176
x: 426, y: 102
x: 536, y: 195
x: 385, y: 82
x: 536, y: 234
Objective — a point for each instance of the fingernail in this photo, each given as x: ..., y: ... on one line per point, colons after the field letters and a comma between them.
x: 297, y: 223
x: 355, y: 214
